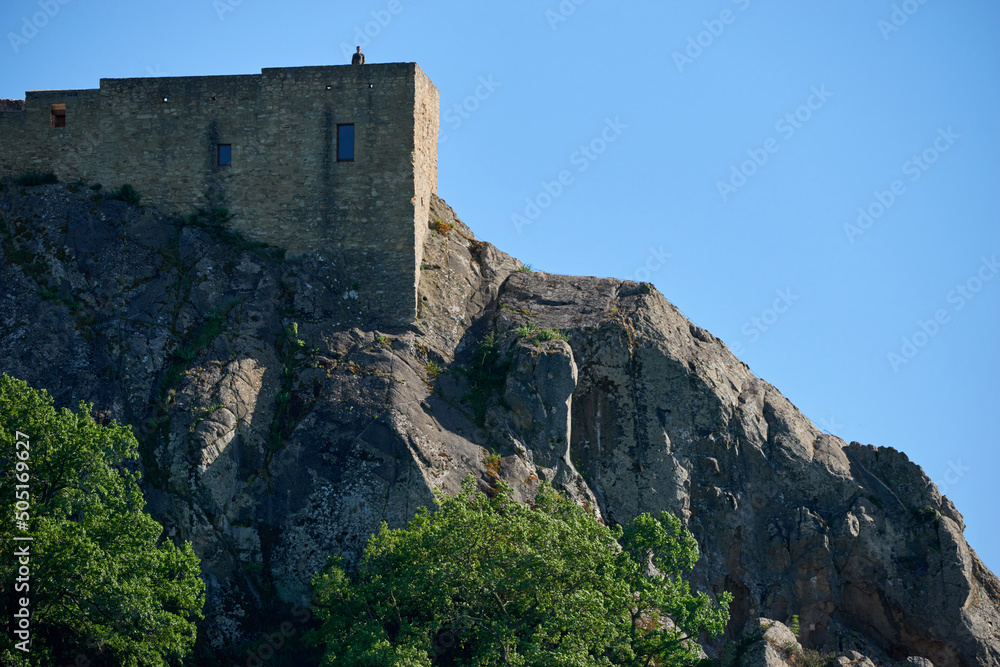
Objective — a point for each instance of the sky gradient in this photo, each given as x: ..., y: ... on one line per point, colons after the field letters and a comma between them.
x: 814, y: 183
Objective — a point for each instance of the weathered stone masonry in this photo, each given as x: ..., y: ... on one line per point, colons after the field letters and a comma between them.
x: 285, y: 185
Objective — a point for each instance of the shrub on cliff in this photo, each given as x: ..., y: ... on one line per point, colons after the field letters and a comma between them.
x: 127, y: 194
x: 100, y: 585
x: 489, y: 581
x: 31, y: 178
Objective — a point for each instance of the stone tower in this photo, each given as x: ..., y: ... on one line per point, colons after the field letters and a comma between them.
x: 339, y: 161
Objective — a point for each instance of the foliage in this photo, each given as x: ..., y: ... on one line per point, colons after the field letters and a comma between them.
x: 926, y: 515
x: 800, y: 657
x: 811, y: 658
x: 215, y: 221
x: 30, y: 178
x: 290, y: 340
x: 102, y: 582
x: 524, y: 268
x: 548, y: 334
x: 127, y: 194
x: 31, y: 265
x: 527, y: 330
x: 489, y: 581
x: 733, y: 652
x: 214, y: 218
x: 287, y: 345
x: 536, y: 335
x: 204, y: 336
x: 487, y: 375
x: 492, y: 465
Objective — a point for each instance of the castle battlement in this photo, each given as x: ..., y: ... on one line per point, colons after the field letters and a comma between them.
x: 341, y: 160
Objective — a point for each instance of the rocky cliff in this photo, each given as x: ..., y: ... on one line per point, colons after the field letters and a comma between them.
x: 276, y: 429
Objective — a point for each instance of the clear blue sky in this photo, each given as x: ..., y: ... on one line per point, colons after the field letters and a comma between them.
x: 837, y: 106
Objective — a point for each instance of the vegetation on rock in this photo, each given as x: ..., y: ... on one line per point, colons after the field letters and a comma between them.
x: 103, y: 582
x: 487, y: 375
x: 127, y: 194
x: 30, y: 178
x: 536, y: 335
x: 489, y: 581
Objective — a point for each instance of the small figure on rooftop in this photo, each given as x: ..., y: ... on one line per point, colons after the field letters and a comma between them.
x: 358, y: 58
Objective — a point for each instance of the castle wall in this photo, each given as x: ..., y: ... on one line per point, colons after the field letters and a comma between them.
x: 426, y: 115
x: 285, y: 186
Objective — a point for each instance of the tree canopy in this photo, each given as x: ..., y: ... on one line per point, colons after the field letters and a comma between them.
x: 489, y: 581
x: 104, y: 584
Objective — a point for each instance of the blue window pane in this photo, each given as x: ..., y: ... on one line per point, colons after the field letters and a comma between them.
x: 345, y: 143
x: 225, y: 155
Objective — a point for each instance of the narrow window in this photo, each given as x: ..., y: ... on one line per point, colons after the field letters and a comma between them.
x: 345, y: 143
x: 58, y: 115
x: 225, y: 155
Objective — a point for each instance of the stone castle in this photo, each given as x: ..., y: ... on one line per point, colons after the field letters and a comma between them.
x: 340, y: 161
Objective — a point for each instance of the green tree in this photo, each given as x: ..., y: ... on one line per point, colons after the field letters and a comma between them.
x: 489, y: 581
x: 102, y: 583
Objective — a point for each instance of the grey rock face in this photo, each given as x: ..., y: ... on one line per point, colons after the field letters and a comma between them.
x: 776, y: 645
x: 791, y: 520
x: 277, y: 432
